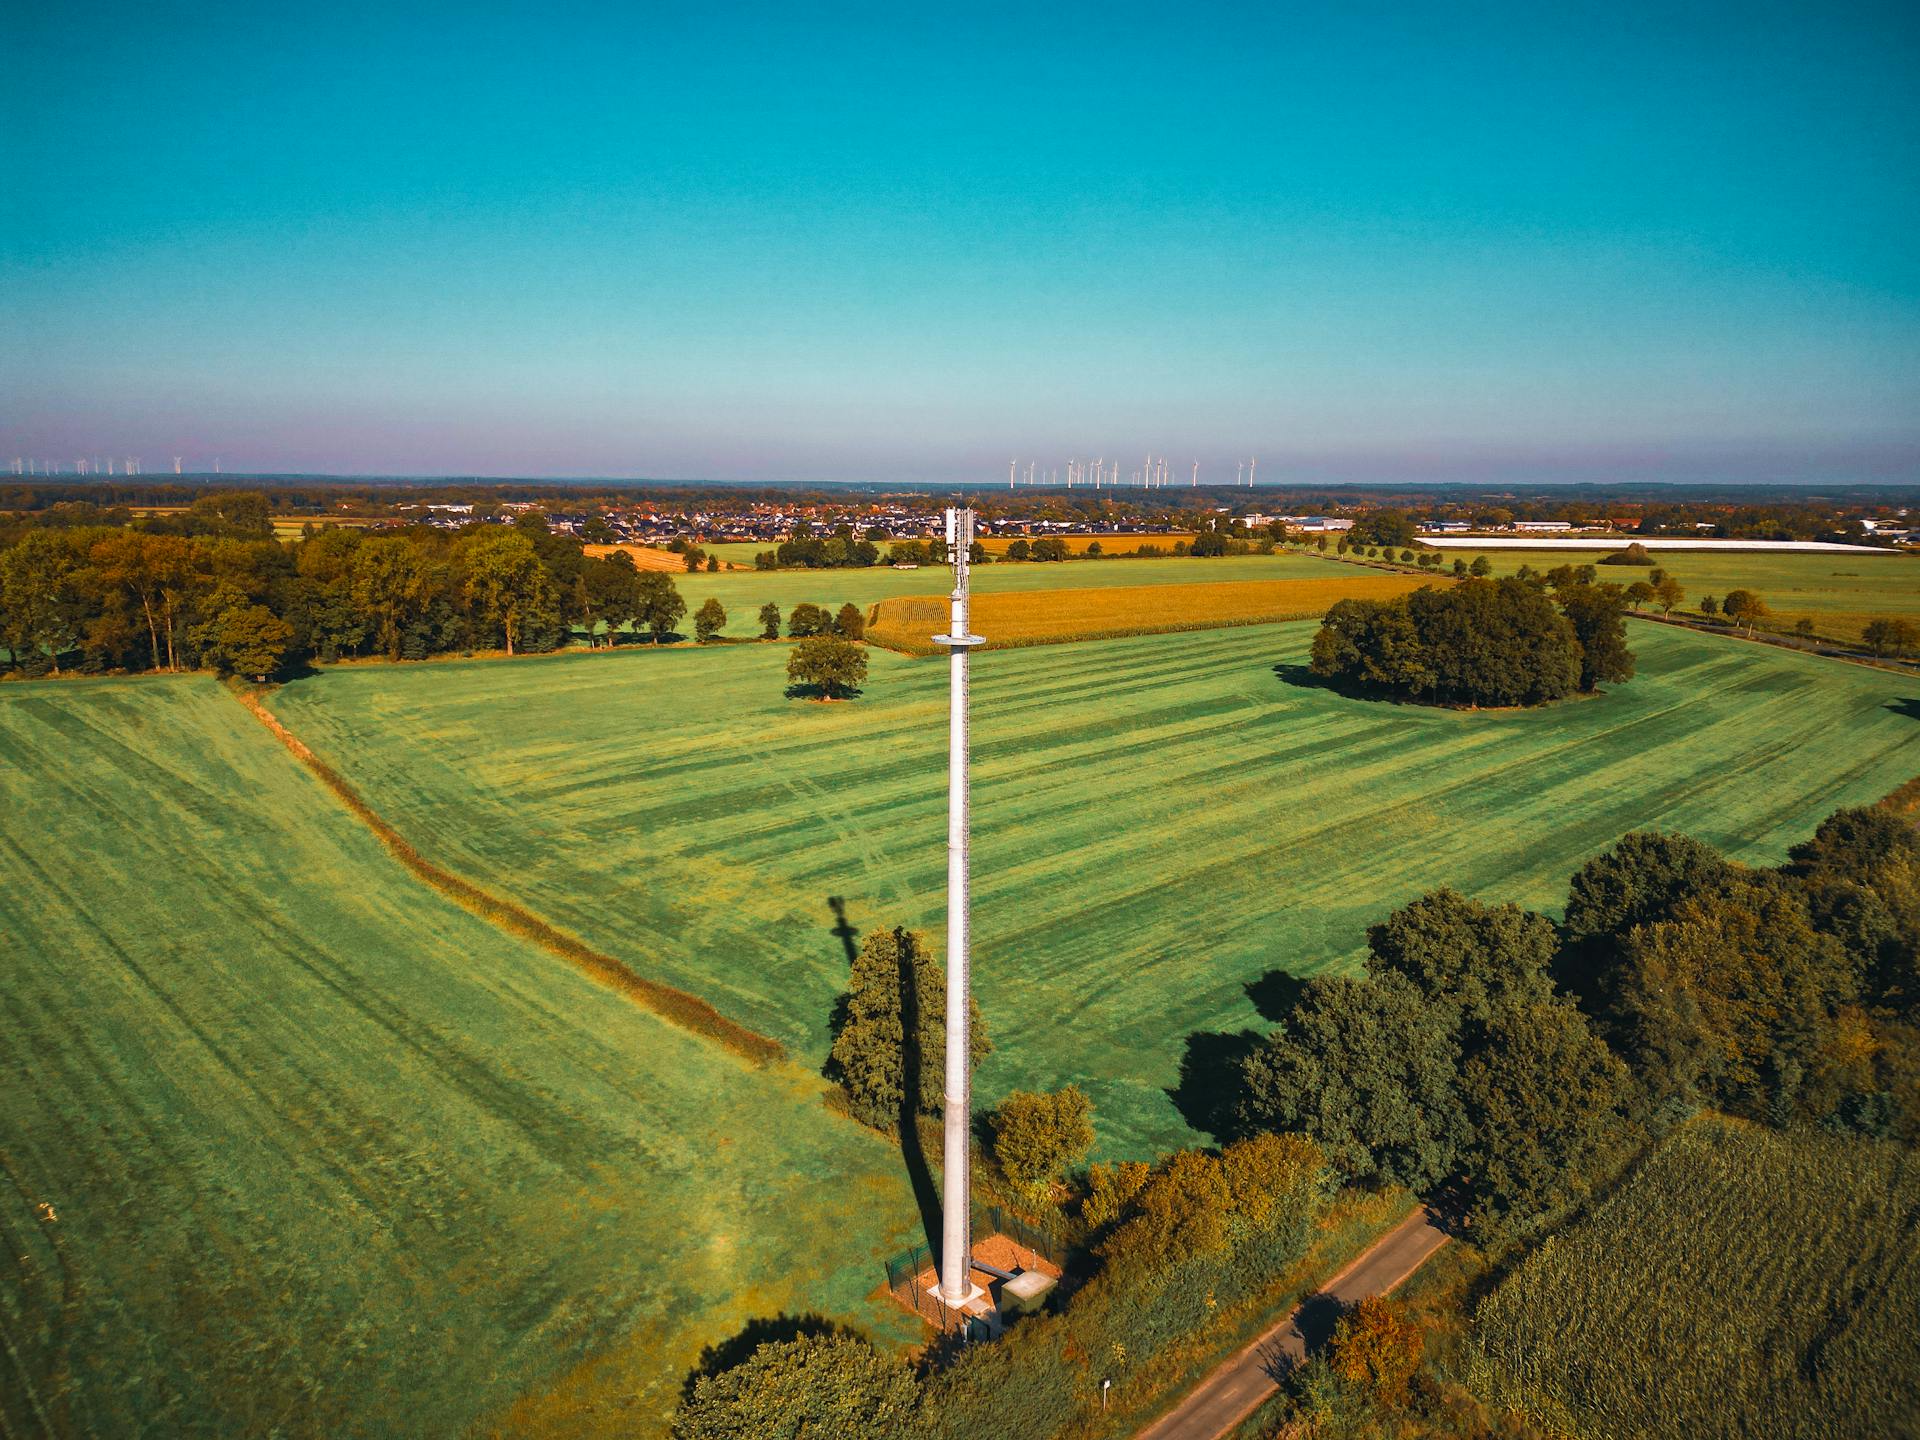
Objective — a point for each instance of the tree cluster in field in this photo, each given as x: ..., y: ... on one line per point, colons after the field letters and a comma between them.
x: 211, y: 588
x: 1892, y: 637
x: 838, y: 550
x: 1493, y: 1057
x: 1501, y: 642
x: 1047, y: 548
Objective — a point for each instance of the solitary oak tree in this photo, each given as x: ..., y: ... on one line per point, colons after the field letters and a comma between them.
x: 828, y: 666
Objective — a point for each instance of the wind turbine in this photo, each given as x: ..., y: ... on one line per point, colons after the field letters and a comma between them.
x: 1251, y: 465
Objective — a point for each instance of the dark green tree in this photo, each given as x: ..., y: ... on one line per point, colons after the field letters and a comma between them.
x: 610, y: 594
x: 1547, y: 1102
x: 808, y: 619
x: 1643, y: 878
x: 509, y: 593
x: 1369, y: 1069
x: 42, y: 606
x: 709, y: 620
x: 245, y: 640
x: 770, y: 621
x: 896, y: 989
x: 657, y: 603
x: 1598, y: 621
x: 849, y: 623
x: 1476, y: 959
x: 828, y: 665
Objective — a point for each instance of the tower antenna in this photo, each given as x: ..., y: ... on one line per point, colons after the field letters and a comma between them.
x: 956, y: 1244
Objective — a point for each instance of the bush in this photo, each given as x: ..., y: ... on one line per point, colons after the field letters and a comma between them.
x: 1373, y: 1348
x: 817, y: 1385
x: 1110, y: 1190
x: 1038, y: 1137
x: 1634, y: 554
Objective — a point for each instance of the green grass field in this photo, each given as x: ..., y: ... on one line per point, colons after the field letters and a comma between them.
x: 1840, y: 593
x: 326, y: 1155
x: 1742, y: 1283
x: 742, y: 593
x: 1159, y: 821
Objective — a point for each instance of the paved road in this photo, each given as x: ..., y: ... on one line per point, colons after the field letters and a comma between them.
x: 1237, y: 1388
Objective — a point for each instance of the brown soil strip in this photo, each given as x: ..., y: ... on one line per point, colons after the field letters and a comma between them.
x: 689, y: 1012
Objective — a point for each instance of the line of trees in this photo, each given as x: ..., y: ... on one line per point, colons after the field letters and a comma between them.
x: 211, y: 588
x: 1498, y: 642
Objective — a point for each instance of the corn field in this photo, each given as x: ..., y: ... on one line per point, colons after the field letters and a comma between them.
x: 1743, y: 1282
x: 907, y: 622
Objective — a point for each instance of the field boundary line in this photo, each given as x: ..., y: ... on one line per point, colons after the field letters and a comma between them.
x: 674, y: 1005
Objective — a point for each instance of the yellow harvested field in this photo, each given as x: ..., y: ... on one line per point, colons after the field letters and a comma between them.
x: 1077, y: 544
x: 1047, y: 617
x: 292, y: 527
x: 650, y: 557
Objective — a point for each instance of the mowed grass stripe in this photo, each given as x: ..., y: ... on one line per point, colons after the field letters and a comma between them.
x: 330, y: 1155
x: 1158, y: 821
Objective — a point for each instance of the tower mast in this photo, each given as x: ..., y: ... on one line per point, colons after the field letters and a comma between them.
x: 956, y: 1243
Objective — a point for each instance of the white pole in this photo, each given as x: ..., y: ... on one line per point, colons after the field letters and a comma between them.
x: 956, y: 1259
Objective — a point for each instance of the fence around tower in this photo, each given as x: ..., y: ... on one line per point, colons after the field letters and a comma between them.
x: 904, y: 1269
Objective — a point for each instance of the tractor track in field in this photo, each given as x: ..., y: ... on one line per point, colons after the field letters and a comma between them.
x: 674, y: 1005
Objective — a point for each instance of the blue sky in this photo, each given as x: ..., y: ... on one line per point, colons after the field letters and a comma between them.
x: 1480, y: 242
